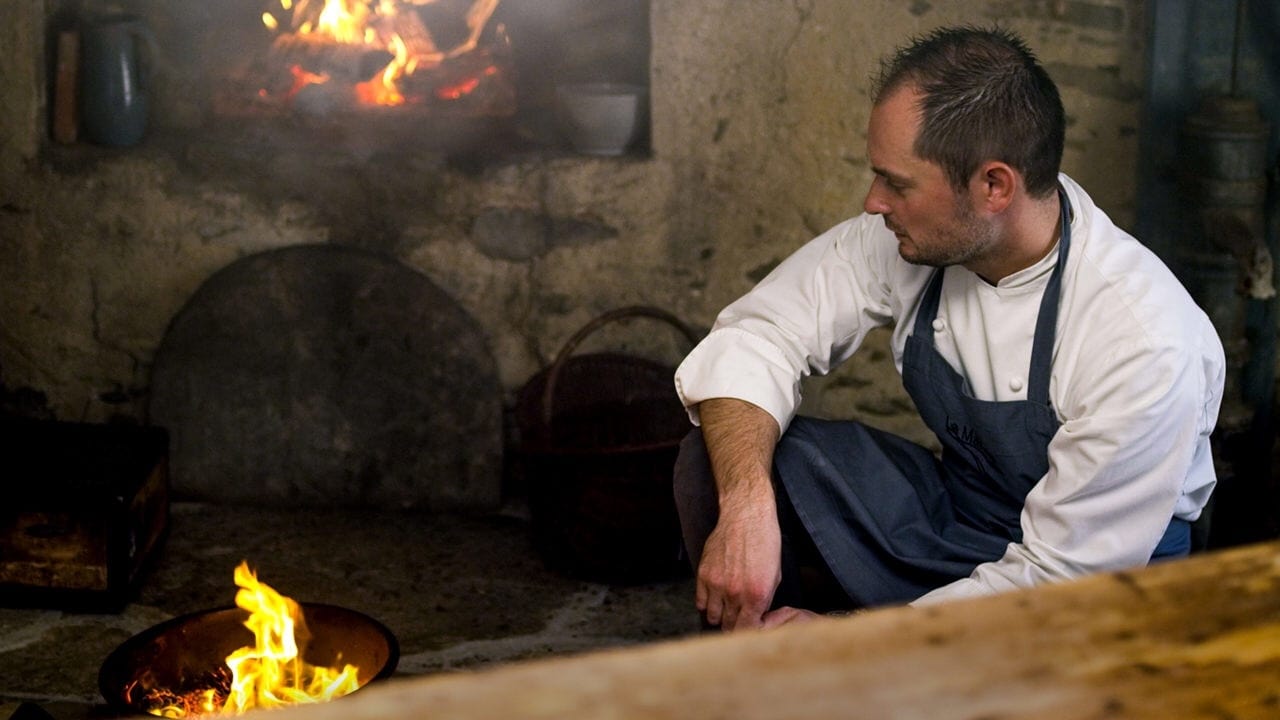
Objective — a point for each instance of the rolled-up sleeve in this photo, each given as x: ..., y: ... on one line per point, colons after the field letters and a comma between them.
x: 733, y: 363
x: 808, y: 315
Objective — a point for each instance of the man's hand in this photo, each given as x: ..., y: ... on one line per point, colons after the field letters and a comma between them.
x: 788, y: 616
x: 740, y: 570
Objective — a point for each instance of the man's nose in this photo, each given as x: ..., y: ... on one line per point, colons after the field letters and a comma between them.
x: 874, y: 202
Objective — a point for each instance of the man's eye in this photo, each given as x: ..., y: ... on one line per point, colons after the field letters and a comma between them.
x: 897, y: 187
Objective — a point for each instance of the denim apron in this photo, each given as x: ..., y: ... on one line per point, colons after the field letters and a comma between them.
x: 893, y: 521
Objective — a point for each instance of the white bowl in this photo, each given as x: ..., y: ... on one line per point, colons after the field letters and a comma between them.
x: 601, y: 118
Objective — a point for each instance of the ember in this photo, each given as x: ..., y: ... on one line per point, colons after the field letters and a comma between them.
x: 302, y: 78
x: 167, y: 703
x: 269, y: 674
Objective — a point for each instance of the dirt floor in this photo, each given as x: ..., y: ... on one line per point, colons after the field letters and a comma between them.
x: 457, y: 592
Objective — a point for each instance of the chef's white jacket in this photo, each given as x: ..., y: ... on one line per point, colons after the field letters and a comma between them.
x: 1137, y: 377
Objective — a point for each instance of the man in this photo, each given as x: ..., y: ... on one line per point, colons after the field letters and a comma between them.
x: 1072, y: 382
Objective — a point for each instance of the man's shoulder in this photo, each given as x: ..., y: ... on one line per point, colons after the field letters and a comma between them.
x: 1108, y: 265
x: 1122, y: 301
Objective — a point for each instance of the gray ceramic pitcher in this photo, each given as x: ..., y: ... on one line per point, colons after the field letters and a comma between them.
x: 113, y: 98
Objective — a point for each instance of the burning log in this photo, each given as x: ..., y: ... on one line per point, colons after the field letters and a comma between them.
x: 474, y: 84
x: 477, y: 17
x: 418, y: 44
x: 344, y: 64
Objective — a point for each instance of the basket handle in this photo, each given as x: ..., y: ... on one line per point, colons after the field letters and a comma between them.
x: 548, y: 393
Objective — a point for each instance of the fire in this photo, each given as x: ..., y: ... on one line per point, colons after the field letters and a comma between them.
x: 457, y: 90
x: 390, y: 26
x: 302, y: 78
x: 269, y: 674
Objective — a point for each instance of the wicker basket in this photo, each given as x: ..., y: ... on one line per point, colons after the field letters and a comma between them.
x: 599, y: 435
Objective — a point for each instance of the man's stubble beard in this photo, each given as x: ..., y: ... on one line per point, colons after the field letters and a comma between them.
x: 967, y: 237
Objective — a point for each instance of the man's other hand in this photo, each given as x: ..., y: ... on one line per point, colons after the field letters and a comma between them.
x: 787, y: 615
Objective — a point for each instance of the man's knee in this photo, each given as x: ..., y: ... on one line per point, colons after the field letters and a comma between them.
x: 694, y: 488
x: 692, y: 476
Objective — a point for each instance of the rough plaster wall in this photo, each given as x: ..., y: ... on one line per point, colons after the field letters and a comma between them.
x: 759, y: 112
x: 22, y: 98
x: 592, y: 242
x: 20, y: 93
x: 115, y: 255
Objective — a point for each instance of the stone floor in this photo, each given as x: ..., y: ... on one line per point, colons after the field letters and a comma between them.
x: 457, y: 592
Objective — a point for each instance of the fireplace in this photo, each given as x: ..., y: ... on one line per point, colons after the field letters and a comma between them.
x: 461, y: 78
x: 403, y: 122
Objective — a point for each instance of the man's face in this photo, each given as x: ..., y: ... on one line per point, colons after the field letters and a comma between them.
x: 934, y: 224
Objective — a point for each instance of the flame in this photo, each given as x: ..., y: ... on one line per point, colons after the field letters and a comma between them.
x: 344, y: 21
x: 381, y: 25
x: 272, y: 673
x: 269, y: 674
x: 382, y: 89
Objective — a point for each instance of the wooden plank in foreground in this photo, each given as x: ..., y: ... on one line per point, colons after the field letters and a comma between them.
x: 1195, y: 638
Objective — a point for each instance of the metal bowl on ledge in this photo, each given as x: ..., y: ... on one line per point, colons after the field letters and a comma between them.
x: 602, y: 118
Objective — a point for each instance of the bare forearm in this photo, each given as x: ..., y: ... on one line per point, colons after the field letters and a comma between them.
x: 740, y: 439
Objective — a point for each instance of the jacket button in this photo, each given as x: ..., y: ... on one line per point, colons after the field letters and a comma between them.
x: 939, y: 325
x: 1015, y: 384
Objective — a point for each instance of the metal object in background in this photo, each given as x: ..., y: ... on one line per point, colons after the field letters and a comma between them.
x: 331, y: 376
x: 1223, y: 181
x: 599, y: 437
x: 112, y: 90
x: 1227, y: 264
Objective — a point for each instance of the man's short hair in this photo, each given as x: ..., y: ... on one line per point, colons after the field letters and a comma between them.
x: 985, y: 96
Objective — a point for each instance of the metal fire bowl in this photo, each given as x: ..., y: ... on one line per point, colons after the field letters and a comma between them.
x: 181, y: 654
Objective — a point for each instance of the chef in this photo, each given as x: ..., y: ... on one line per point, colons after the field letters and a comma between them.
x: 1071, y: 381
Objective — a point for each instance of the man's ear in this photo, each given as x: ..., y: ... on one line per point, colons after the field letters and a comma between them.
x: 994, y: 186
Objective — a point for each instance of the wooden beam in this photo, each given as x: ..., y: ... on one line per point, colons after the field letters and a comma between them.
x: 1195, y: 638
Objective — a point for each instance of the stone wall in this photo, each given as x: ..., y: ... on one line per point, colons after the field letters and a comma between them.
x: 758, y: 131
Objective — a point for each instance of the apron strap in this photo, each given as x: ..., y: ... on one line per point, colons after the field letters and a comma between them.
x: 1047, y: 321
x: 929, y: 307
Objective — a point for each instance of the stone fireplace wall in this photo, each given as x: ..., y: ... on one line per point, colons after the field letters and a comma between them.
x: 758, y: 113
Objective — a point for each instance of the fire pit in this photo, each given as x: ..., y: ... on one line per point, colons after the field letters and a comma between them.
x: 185, y: 666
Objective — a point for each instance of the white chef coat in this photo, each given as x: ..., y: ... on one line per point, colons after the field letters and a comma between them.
x: 1137, y: 376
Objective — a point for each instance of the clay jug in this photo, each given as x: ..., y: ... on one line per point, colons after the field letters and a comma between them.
x: 113, y: 96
